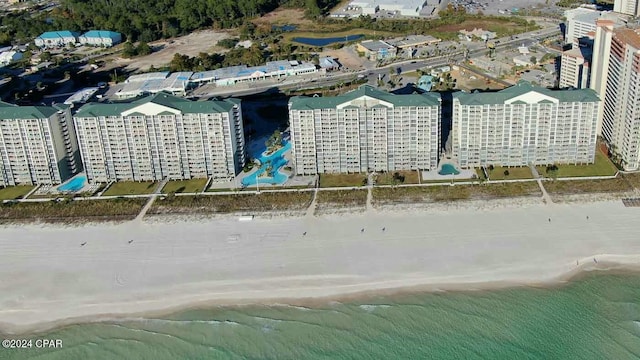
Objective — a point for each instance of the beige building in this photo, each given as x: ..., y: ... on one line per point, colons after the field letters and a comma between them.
x: 365, y: 130
x: 161, y: 137
x: 524, y: 125
x: 621, y: 113
x: 37, y: 145
x: 575, y: 71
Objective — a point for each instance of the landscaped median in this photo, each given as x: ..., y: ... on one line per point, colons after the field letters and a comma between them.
x: 131, y: 188
x: 342, y: 180
x: 329, y: 200
x: 68, y: 210
x: 445, y: 193
x: 509, y: 173
x: 602, y: 166
x: 398, y: 177
x: 245, y: 203
x: 184, y: 186
x: 14, y: 192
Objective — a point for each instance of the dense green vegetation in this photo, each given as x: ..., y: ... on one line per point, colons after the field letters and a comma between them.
x: 149, y: 20
x: 21, y: 27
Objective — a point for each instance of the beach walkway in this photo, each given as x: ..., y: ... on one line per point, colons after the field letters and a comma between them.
x: 545, y: 195
x: 152, y: 198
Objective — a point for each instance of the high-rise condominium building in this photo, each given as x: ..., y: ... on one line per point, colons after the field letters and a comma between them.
x: 621, y: 114
x: 524, y: 125
x: 580, y: 23
x: 161, y: 137
x: 37, y: 145
x: 629, y: 7
x: 575, y: 71
x: 363, y: 130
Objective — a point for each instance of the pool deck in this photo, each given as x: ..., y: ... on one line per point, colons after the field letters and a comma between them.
x: 433, y: 175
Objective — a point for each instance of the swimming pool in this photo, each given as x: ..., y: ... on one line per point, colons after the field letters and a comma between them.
x: 448, y: 169
x: 74, y: 184
x: 275, y: 161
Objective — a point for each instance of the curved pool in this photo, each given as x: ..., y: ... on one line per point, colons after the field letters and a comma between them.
x: 74, y: 184
x: 448, y: 169
x: 276, y: 161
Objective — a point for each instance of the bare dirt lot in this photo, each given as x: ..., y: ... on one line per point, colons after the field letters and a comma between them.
x: 283, y: 16
x: 192, y: 45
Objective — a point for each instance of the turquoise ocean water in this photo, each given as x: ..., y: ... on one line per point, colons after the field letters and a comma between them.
x: 596, y: 317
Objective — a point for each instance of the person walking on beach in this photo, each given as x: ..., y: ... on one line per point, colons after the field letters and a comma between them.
x: 383, y: 229
x: 362, y: 230
x: 549, y: 219
x: 587, y: 217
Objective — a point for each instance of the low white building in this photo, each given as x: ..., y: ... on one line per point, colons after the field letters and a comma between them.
x: 8, y: 57
x: 54, y: 39
x: 243, y: 73
x: 400, y: 7
x: 153, y: 83
x: 100, y: 38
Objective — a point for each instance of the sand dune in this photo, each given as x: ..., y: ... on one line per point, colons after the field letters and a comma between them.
x: 48, y: 278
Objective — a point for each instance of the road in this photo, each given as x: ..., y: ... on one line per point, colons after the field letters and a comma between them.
x: 405, y: 66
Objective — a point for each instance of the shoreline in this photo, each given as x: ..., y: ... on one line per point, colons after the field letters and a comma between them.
x: 341, y: 296
x: 48, y: 281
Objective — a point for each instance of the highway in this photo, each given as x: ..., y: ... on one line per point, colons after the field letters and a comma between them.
x: 405, y: 66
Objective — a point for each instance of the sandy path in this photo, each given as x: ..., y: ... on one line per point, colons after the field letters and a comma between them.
x: 46, y: 276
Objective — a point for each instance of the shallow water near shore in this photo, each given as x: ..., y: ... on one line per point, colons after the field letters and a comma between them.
x: 594, y: 317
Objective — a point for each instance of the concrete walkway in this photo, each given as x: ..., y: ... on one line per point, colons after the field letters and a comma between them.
x: 151, y: 200
x: 545, y: 196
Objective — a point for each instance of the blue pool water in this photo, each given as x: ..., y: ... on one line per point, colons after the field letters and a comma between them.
x: 275, y: 160
x: 74, y: 185
x: 448, y: 169
x: 326, y: 41
x: 284, y: 28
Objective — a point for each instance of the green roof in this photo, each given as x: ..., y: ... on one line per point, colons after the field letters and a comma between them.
x: 11, y: 111
x: 183, y: 105
x: 330, y: 102
x: 521, y: 88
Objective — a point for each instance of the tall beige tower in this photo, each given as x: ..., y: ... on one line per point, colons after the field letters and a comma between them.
x: 621, y: 114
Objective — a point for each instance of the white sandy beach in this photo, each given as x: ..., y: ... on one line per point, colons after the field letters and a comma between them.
x: 47, y: 278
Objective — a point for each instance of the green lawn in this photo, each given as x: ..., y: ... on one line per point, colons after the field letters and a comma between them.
x: 601, y: 167
x: 498, y: 173
x: 387, y: 178
x: 342, y: 180
x: 184, y: 186
x: 131, y: 188
x: 14, y: 192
